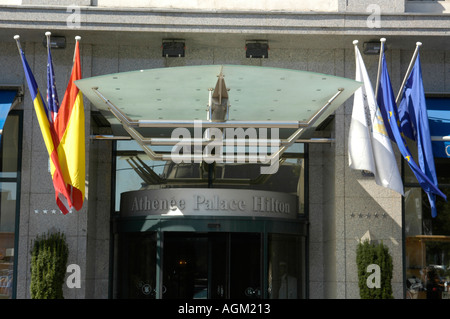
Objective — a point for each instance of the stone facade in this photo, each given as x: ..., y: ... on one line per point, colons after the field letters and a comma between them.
x: 343, y: 204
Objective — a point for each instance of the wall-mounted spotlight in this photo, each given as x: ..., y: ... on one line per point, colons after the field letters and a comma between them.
x: 371, y: 48
x: 173, y: 48
x: 257, y: 49
x: 56, y: 42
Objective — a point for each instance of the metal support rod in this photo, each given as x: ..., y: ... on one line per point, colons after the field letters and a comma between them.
x: 115, y: 110
x: 138, y: 138
x: 408, y: 72
x: 209, y: 110
x: 109, y: 137
x: 323, y: 108
x: 297, y: 133
x: 440, y: 138
x: 205, y: 141
x: 128, y: 126
x: 227, y: 124
x: 226, y: 158
x: 169, y: 141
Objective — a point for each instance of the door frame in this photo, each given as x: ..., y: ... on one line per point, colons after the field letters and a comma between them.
x: 211, y: 224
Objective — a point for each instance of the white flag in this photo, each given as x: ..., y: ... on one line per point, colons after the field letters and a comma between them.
x: 369, y: 147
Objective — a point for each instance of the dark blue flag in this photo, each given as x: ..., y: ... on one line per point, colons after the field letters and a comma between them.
x: 414, y: 122
x: 52, y: 95
x: 388, y: 108
x: 386, y: 101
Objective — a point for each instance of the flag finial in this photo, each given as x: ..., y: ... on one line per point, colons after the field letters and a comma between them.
x: 17, y: 38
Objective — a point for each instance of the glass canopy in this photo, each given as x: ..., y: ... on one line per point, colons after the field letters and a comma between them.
x: 254, y: 93
x: 150, y: 104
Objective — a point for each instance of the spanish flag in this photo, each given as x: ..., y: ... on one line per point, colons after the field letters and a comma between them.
x: 69, y: 128
x: 49, y: 135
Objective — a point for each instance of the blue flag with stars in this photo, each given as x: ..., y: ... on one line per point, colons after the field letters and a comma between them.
x: 388, y: 108
x: 52, y: 95
x: 413, y: 118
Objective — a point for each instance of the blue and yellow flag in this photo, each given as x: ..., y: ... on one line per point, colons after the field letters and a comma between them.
x: 48, y: 133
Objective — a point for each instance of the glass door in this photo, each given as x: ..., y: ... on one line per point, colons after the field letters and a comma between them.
x: 245, y: 266
x: 245, y: 263
x: 286, y: 266
x: 137, y: 262
x: 218, y: 281
x: 211, y: 265
x: 185, y: 266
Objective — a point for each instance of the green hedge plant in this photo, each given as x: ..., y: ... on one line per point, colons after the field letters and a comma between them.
x: 370, y: 253
x: 48, y: 266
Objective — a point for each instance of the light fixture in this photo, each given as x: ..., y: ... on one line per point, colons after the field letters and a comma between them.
x: 173, y: 48
x: 257, y: 49
x: 56, y: 42
x: 372, y: 48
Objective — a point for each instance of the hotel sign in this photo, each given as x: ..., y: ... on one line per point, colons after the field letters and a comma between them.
x: 208, y: 202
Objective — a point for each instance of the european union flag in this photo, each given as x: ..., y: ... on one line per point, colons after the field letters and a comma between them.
x: 52, y: 95
x: 386, y: 102
x: 414, y: 122
x: 411, y: 100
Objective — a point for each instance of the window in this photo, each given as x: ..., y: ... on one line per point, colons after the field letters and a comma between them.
x: 134, y: 171
x: 286, y: 270
x: 427, y: 239
x: 9, y: 202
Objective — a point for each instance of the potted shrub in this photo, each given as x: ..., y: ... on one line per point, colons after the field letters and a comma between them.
x: 48, y: 266
x: 368, y: 253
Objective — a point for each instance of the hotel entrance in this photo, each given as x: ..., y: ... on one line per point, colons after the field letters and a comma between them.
x: 219, y: 260
x: 212, y: 265
x: 211, y: 202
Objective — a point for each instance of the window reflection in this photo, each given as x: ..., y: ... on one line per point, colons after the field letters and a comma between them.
x: 427, y: 246
x: 9, y: 163
x: 6, y: 264
x: 7, y: 227
x: 135, y: 170
x: 138, y: 266
x: 285, y: 267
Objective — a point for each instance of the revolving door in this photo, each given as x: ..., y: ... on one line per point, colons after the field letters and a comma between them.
x: 213, y: 264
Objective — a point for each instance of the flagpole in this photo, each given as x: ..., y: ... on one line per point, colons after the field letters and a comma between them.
x: 382, y: 40
x: 17, y: 38
x: 408, y: 72
x: 47, y: 35
x: 77, y: 38
x: 355, y: 43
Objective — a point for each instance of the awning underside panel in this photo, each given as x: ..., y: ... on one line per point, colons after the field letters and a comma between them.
x: 252, y: 94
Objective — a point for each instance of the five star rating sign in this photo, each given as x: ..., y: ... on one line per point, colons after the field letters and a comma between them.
x: 49, y: 211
